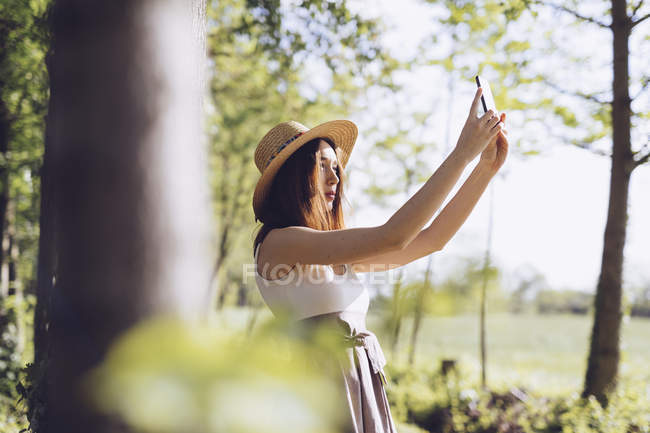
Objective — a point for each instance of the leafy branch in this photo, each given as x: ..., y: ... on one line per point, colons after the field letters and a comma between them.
x: 574, y: 93
x: 572, y: 12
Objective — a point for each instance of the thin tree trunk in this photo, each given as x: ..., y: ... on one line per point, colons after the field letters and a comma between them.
x: 222, y: 253
x: 424, y: 290
x: 4, y: 266
x: 397, y: 312
x: 13, y: 255
x: 602, y: 368
x: 128, y: 169
x: 252, y: 320
x: 4, y: 168
x: 486, y: 268
x: 5, y: 127
x: 419, y: 309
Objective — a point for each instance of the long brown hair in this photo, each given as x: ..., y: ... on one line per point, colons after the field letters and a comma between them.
x: 296, y: 197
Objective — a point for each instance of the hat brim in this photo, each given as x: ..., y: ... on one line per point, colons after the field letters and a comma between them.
x: 342, y: 132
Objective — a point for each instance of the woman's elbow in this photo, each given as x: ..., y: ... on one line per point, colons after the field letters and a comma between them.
x: 437, y: 247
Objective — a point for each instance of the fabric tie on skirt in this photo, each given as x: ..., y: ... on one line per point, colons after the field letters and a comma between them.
x: 362, y: 364
x: 369, y: 341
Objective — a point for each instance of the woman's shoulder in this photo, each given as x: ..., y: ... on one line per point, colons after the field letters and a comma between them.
x: 269, y: 269
x: 276, y: 237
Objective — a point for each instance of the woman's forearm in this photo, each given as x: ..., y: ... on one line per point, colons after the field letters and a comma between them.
x: 477, y: 133
x: 408, y: 221
x: 454, y: 214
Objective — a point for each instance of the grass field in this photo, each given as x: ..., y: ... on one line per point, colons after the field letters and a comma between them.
x: 546, y: 354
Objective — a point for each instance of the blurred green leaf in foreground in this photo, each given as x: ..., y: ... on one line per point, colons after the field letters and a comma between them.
x: 168, y: 376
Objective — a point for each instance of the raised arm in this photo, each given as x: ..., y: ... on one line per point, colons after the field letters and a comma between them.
x: 452, y: 216
x: 304, y: 245
x: 455, y: 213
x: 474, y: 138
x: 439, y: 232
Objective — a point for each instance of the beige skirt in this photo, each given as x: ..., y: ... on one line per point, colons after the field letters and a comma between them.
x: 361, y: 365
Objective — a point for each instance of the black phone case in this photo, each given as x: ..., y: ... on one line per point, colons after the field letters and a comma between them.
x: 478, y: 83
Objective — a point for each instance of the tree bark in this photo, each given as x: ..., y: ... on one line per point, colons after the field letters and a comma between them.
x: 486, y: 269
x: 4, y: 265
x: 5, y: 125
x: 16, y: 285
x: 129, y: 177
x: 421, y: 297
x: 396, y: 320
x: 604, y: 355
x: 45, y: 269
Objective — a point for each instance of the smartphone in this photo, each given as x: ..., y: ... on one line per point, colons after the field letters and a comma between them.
x: 487, y: 100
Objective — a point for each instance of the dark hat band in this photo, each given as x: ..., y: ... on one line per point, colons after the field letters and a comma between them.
x: 282, y: 146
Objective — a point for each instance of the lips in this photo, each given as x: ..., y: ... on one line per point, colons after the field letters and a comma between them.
x: 330, y: 194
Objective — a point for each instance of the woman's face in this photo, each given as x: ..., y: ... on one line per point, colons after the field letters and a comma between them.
x: 329, y: 167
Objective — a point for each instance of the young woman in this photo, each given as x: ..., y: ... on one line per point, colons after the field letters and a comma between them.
x: 307, y: 260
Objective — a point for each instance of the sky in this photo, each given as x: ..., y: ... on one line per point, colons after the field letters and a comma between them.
x: 549, y: 209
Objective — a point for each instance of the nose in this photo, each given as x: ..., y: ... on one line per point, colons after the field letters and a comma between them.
x: 332, y: 178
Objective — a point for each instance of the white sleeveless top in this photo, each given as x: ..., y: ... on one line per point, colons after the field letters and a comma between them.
x: 311, y: 289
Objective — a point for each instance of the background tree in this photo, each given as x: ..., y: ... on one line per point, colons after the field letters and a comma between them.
x: 128, y: 175
x: 580, y: 116
x: 23, y: 103
x: 615, y: 116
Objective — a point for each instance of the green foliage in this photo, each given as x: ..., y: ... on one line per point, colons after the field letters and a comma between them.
x: 24, y: 90
x: 542, y: 357
x: 638, y: 302
x: 31, y: 388
x: 166, y: 376
x: 345, y: 41
x: 23, y: 104
x: 566, y: 114
x: 544, y: 352
x: 262, y: 62
x: 406, y: 152
x: 453, y: 403
x: 16, y: 408
x: 486, y: 38
x: 460, y: 292
x: 563, y: 301
x: 10, y: 361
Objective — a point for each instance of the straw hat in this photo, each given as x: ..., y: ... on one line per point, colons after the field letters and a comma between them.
x: 287, y: 137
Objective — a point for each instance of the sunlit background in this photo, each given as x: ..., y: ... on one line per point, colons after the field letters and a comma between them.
x: 140, y: 217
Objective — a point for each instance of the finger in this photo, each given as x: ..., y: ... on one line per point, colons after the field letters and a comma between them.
x: 487, y: 116
x: 503, y: 145
x: 494, y: 121
x: 473, y: 111
x: 494, y: 131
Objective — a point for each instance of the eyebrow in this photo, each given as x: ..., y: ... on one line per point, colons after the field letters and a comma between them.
x: 329, y: 159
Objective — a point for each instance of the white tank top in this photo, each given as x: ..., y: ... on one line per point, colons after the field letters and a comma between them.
x: 311, y: 289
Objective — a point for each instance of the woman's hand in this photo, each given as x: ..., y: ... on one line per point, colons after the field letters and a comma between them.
x: 478, y: 132
x: 496, y: 151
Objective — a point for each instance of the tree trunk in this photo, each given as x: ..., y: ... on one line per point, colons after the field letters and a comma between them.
x: 215, y: 285
x: 45, y: 270
x: 603, y: 361
x: 4, y: 147
x: 16, y: 285
x: 486, y: 268
x: 419, y: 309
x: 4, y: 266
x: 129, y: 177
x: 397, y: 312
